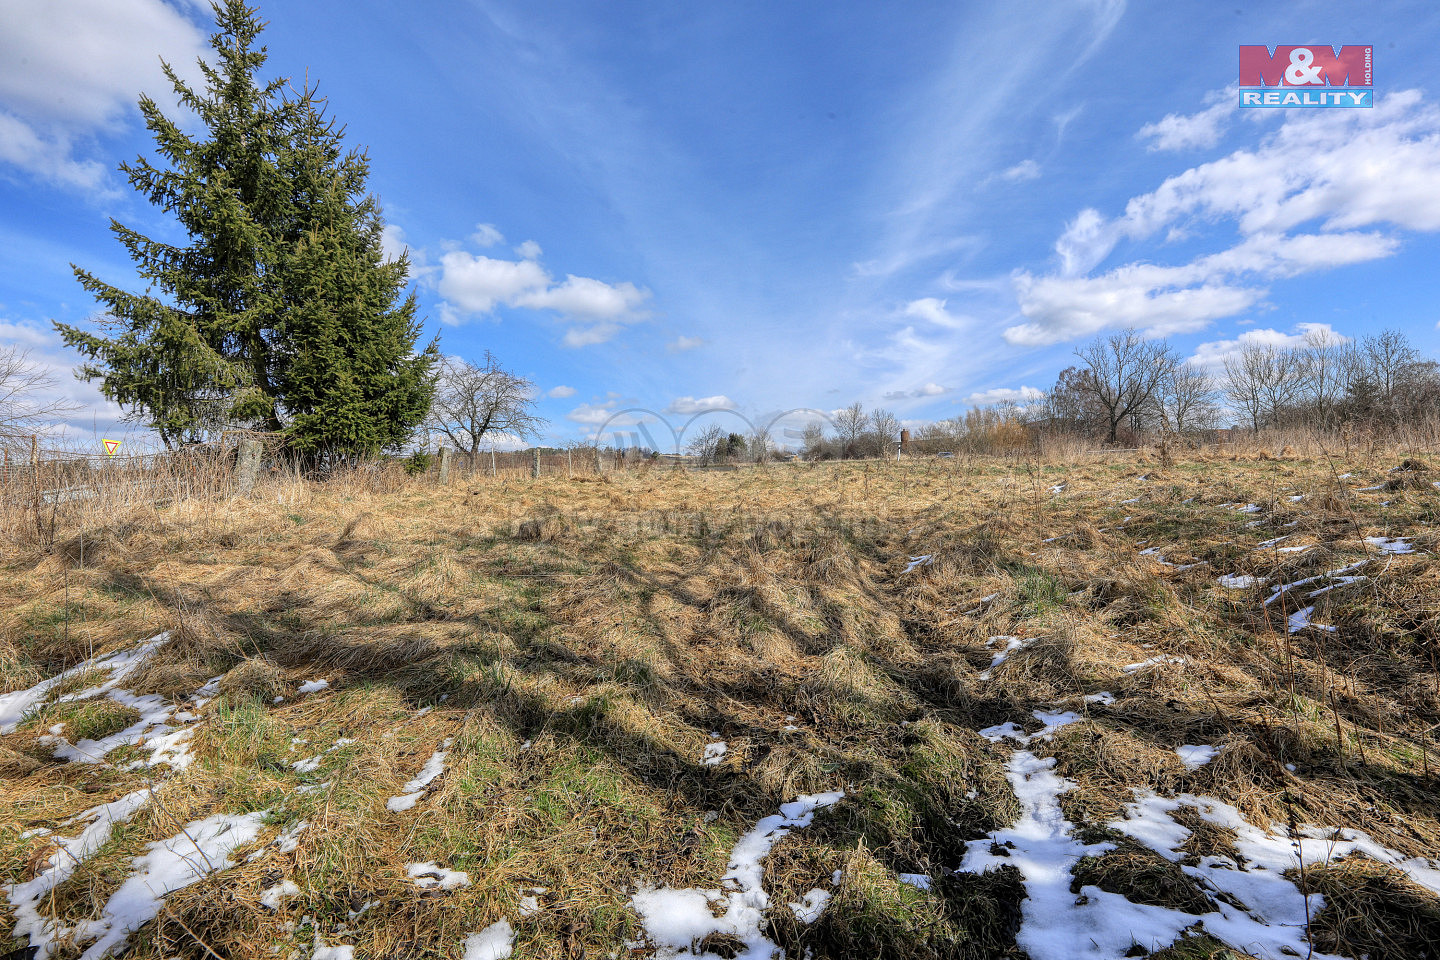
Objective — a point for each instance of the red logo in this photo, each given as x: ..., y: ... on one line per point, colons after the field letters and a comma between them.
x: 1305, y: 66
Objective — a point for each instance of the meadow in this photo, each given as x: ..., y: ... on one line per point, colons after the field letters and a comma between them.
x: 1179, y: 705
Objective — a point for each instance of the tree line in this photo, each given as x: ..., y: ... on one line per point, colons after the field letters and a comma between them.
x: 1127, y: 386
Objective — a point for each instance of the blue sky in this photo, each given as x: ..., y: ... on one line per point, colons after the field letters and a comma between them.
x: 768, y: 206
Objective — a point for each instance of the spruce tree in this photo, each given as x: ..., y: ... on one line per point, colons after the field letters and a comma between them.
x: 349, y: 379
x: 280, y: 312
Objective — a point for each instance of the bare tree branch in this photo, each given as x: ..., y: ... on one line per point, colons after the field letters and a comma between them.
x: 475, y: 403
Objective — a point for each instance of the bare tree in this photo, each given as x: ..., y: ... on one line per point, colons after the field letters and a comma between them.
x: 475, y: 402
x: 24, y: 407
x: 850, y: 426
x: 1187, y: 399
x: 1323, y: 373
x: 886, y: 429
x: 759, y: 444
x: 1122, y: 373
x: 1262, y: 380
x: 710, y: 445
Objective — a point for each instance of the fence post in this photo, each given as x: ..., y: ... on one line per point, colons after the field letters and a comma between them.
x: 444, y: 465
x: 492, y: 461
x: 569, y: 465
x: 535, y: 462
x: 247, y: 465
x: 599, y: 465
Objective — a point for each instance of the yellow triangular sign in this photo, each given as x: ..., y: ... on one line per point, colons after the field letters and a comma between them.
x: 110, y: 447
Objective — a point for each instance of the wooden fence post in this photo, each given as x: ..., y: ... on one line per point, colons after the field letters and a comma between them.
x: 444, y: 465
x: 247, y: 465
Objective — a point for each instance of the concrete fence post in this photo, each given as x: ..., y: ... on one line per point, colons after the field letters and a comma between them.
x: 247, y: 466
x: 535, y: 462
x: 444, y: 465
x: 599, y: 464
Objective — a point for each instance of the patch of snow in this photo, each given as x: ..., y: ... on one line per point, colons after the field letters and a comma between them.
x: 676, y: 920
x: 313, y: 686
x: 1390, y: 545
x: 1105, y: 698
x: 200, y: 849
x: 714, y: 753
x: 431, y: 874
x: 1238, y: 581
x: 495, y: 942
x: 919, y: 881
x: 272, y: 897
x: 1251, y: 508
x: 809, y: 907
x: 530, y: 902
x: 15, y: 706
x: 340, y: 951
x: 26, y: 897
x: 308, y: 765
x: 1300, y: 619
x: 919, y: 561
x: 411, y: 793
x: 1011, y: 645
x: 1195, y: 757
x: 1152, y: 662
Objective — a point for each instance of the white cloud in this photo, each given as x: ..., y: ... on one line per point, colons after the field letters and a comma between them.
x: 71, y: 69
x: 592, y: 414
x: 86, y: 406
x: 1001, y: 394
x: 530, y: 250
x: 1194, y: 131
x: 560, y: 392
x: 929, y: 390
x: 1212, y: 355
x: 1087, y: 240
x: 589, y: 336
x: 933, y: 310
x: 1022, y: 171
x: 681, y: 344
x: 584, y: 297
x: 486, y: 235
x: 1168, y: 300
x: 47, y: 158
x: 476, y: 283
x: 690, y: 405
x: 1347, y: 172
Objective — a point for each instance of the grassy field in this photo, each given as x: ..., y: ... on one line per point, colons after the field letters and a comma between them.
x: 596, y: 698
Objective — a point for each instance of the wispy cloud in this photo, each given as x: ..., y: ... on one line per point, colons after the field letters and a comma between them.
x: 1344, y: 170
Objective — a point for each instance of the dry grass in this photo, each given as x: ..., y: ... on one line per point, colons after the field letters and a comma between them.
x: 581, y: 640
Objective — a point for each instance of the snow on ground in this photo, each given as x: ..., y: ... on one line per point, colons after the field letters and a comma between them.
x: 1151, y: 662
x: 26, y: 897
x: 1238, y: 581
x: 1300, y: 619
x: 1011, y: 645
x: 14, y: 707
x: 809, y: 907
x: 272, y: 897
x: 411, y: 793
x: 714, y: 753
x: 198, y: 850
x: 431, y: 874
x: 1390, y: 545
x: 675, y: 921
x: 495, y: 942
x: 919, y: 561
x: 314, y: 686
x: 1250, y: 508
x: 1195, y: 756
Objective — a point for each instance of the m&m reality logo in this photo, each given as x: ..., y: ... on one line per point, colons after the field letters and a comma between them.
x: 1313, y: 75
